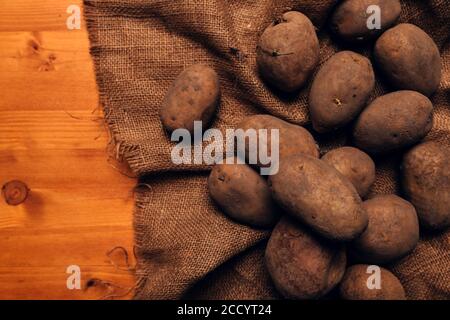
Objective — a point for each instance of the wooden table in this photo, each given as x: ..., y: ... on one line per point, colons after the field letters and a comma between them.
x: 52, y: 138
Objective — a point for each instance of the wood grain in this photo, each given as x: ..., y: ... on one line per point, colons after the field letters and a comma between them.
x: 52, y: 137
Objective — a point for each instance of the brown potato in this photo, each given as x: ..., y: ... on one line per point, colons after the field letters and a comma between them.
x: 193, y: 96
x: 355, y: 165
x: 349, y: 20
x: 354, y: 285
x: 243, y: 194
x: 293, y: 139
x: 340, y: 90
x: 392, y: 233
x: 318, y: 195
x: 288, y: 52
x: 426, y: 183
x: 301, y: 264
x: 409, y: 59
x: 393, y: 121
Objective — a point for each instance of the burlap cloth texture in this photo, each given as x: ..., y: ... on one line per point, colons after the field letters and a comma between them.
x: 186, y: 247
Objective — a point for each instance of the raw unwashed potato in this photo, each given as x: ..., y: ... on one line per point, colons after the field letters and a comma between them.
x: 349, y: 20
x: 355, y: 165
x: 392, y: 233
x: 354, y: 285
x: 243, y: 194
x: 318, y: 195
x: 301, y: 264
x: 193, y: 96
x: 393, y: 121
x: 409, y: 59
x: 340, y: 90
x: 426, y: 183
x: 293, y: 139
x: 288, y: 52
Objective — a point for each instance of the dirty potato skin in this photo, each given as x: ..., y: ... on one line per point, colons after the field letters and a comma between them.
x: 243, y: 194
x: 426, y: 183
x: 288, y: 52
x: 354, y: 285
x: 301, y: 264
x: 293, y: 139
x: 317, y: 194
x: 193, y: 96
x: 355, y: 165
x: 393, y: 121
x: 349, y: 20
x: 392, y: 233
x: 409, y: 59
x: 340, y: 90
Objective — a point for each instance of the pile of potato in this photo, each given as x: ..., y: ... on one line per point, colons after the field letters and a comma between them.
x: 316, y: 205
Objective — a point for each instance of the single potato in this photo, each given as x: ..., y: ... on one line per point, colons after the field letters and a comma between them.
x: 318, y: 195
x: 301, y: 264
x: 355, y: 165
x: 292, y: 139
x: 426, y: 183
x: 393, y: 121
x: 354, y: 285
x: 392, y: 233
x: 340, y: 90
x: 288, y: 52
x: 409, y: 59
x: 243, y: 194
x: 350, y: 19
x: 194, y: 96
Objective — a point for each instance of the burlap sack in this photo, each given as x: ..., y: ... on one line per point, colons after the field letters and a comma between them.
x: 186, y: 247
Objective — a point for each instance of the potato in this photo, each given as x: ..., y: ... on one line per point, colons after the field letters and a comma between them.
x: 393, y: 121
x: 293, y: 139
x: 318, y: 195
x: 243, y: 194
x: 392, y: 233
x: 288, y: 52
x: 426, y: 183
x: 354, y: 285
x: 340, y: 90
x: 349, y: 20
x: 355, y: 165
x: 301, y: 264
x: 193, y: 96
x: 409, y: 59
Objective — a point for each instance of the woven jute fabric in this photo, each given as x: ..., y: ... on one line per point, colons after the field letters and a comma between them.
x: 186, y: 247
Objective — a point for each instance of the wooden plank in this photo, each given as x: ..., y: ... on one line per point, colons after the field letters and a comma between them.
x: 36, y: 15
x: 79, y: 207
x: 50, y: 283
x: 71, y: 182
x: 70, y: 217
x: 53, y: 69
x: 24, y: 129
